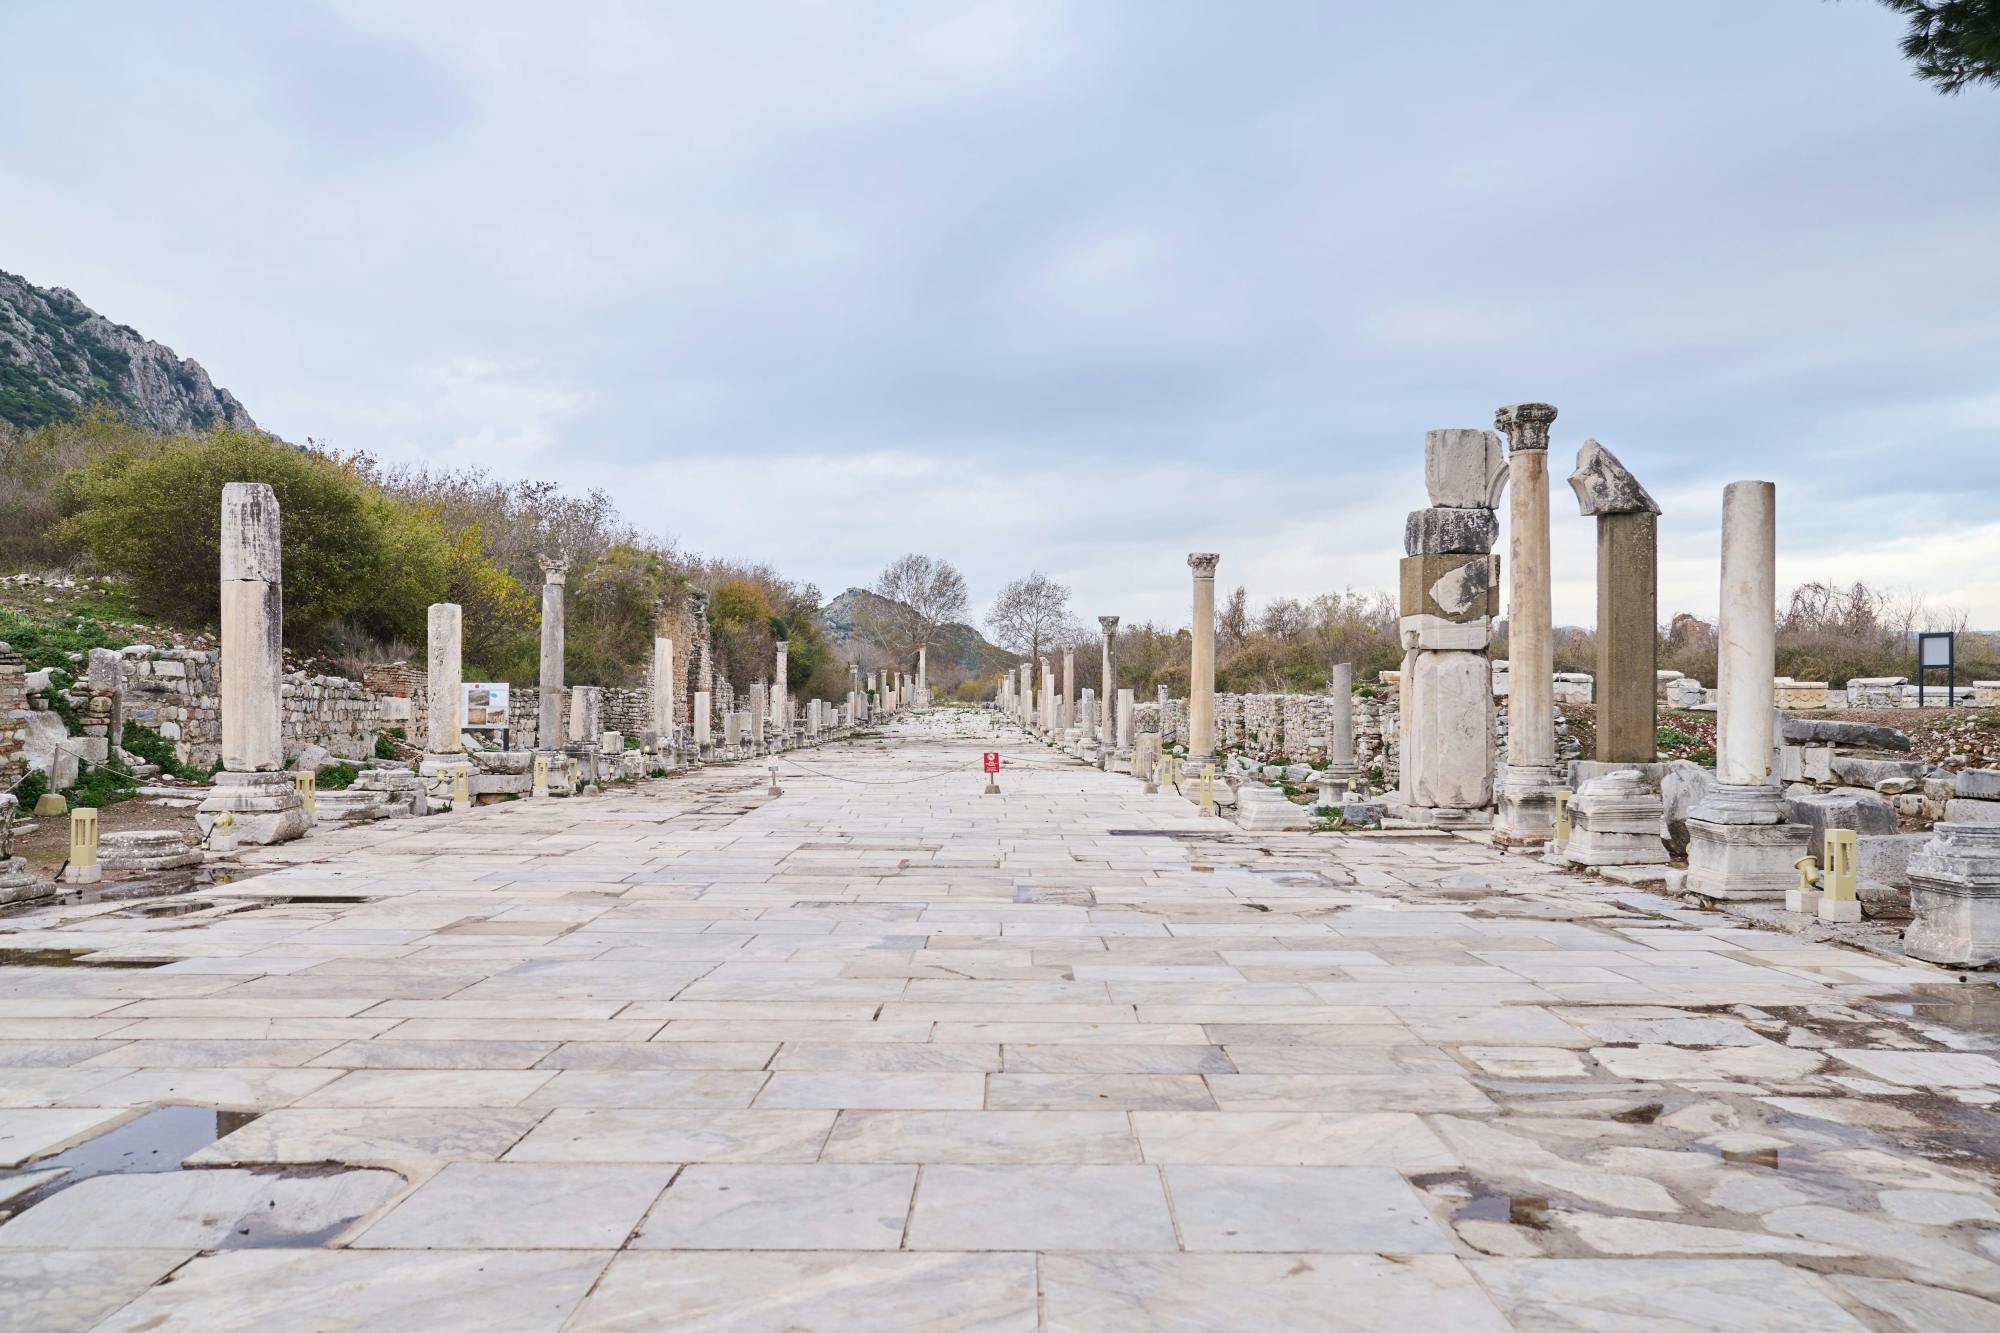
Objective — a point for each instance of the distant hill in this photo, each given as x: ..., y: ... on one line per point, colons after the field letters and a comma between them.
x: 59, y: 357
x: 959, y: 648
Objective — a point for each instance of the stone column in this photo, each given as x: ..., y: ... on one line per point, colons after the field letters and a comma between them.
x: 1628, y: 634
x: 758, y: 698
x: 1069, y: 690
x: 663, y: 692
x: 1107, y: 692
x: 1448, y: 595
x: 1738, y: 844
x: 1527, y: 809
x: 444, y: 732
x: 1340, y: 726
x: 1127, y: 704
x: 923, y: 677
x: 1201, y: 668
x: 1617, y: 816
x: 253, y: 785
x: 586, y: 730
x: 1747, y: 639
x: 781, y: 704
x: 1027, y: 717
x: 549, y: 710
x: 1086, y: 716
x: 703, y: 705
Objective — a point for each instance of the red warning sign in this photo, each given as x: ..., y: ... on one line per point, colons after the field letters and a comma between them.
x: 992, y: 761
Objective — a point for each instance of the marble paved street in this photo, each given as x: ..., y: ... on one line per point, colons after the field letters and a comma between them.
x: 883, y: 1052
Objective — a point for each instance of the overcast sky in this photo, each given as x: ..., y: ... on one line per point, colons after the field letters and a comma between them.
x: 1079, y: 287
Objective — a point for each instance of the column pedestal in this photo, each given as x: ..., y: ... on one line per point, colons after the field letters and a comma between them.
x: 267, y: 807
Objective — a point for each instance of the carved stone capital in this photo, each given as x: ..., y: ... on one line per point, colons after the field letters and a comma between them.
x: 1109, y: 624
x: 1526, y: 425
x: 1203, y: 564
x: 1604, y: 486
x: 555, y: 568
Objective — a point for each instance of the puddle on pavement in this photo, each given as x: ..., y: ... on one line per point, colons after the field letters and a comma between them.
x: 71, y: 958
x: 1640, y: 1115
x: 1972, y: 1005
x: 170, y: 907
x: 1522, y: 1210
x: 156, y: 1143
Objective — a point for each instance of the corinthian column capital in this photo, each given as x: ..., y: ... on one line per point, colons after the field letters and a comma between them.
x: 1526, y: 425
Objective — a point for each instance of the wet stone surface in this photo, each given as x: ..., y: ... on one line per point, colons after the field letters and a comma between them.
x: 884, y: 1050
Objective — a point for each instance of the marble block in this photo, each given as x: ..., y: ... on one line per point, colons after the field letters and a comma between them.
x: 267, y: 807
x: 1955, y: 896
x: 1260, y: 807
x: 1616, y: 820
x: 1464, y: 469
x: 1450, y: 587
x: 1450, y: 723
x: 1442, y: 531
x: 1739, y: 861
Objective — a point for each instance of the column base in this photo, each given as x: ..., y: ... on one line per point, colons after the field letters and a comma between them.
x: 1525, y: 804
x: 1259, y: 807
x: 1440, y: 816
x: 1739, y: 803
x: 1955, y: 896
x: 19, y: 885
x: 1616, y: 821
x: 1737, y: 862
x: 267, y: 807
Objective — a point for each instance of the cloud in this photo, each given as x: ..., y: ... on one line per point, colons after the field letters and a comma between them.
x: 1043, y: 285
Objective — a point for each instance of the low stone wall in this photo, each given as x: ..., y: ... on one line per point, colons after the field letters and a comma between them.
x: 13, y: 716
x: 177, y: 692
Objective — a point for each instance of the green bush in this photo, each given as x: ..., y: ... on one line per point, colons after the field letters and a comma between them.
x: 155, y: 516
x: 101, y: 785
x: 143, y: 742
x: 31, y: 788
x: 60, y: 705
x: 384, y: 747
x: 338, y: 777
x: 48, y: 646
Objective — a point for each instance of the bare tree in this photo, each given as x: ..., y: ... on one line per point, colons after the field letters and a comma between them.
x: 1232, y: 623
x: 920, y: 596
x: 1031, y: 612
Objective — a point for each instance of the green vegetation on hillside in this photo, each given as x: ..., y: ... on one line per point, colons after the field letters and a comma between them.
x: 367, y: 550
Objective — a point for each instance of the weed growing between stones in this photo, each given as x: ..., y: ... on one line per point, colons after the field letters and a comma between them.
x: 150, y: 746
x: 338, y: 777
x: 99, y: 785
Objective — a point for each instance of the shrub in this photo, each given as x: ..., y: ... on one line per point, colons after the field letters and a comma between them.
x: 48, y: 646
x: 384, y: 747
x: 337, y: 777
x: 155, y: 516
x: 34, y: 784
x: 149, y: 745
x: 101, y: 785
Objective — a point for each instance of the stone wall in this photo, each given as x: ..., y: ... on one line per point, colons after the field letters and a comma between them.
x: 13, y: 716
x: 177, y: 692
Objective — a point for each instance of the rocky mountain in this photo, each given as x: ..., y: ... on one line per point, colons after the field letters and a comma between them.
x: 58, y: 357
x: 959, y: 649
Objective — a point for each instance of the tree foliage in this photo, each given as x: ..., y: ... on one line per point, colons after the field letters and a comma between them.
x: 152, y: 513
x: 921, y: 595
x: 1952, y: 43
x: 1032, y: 613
